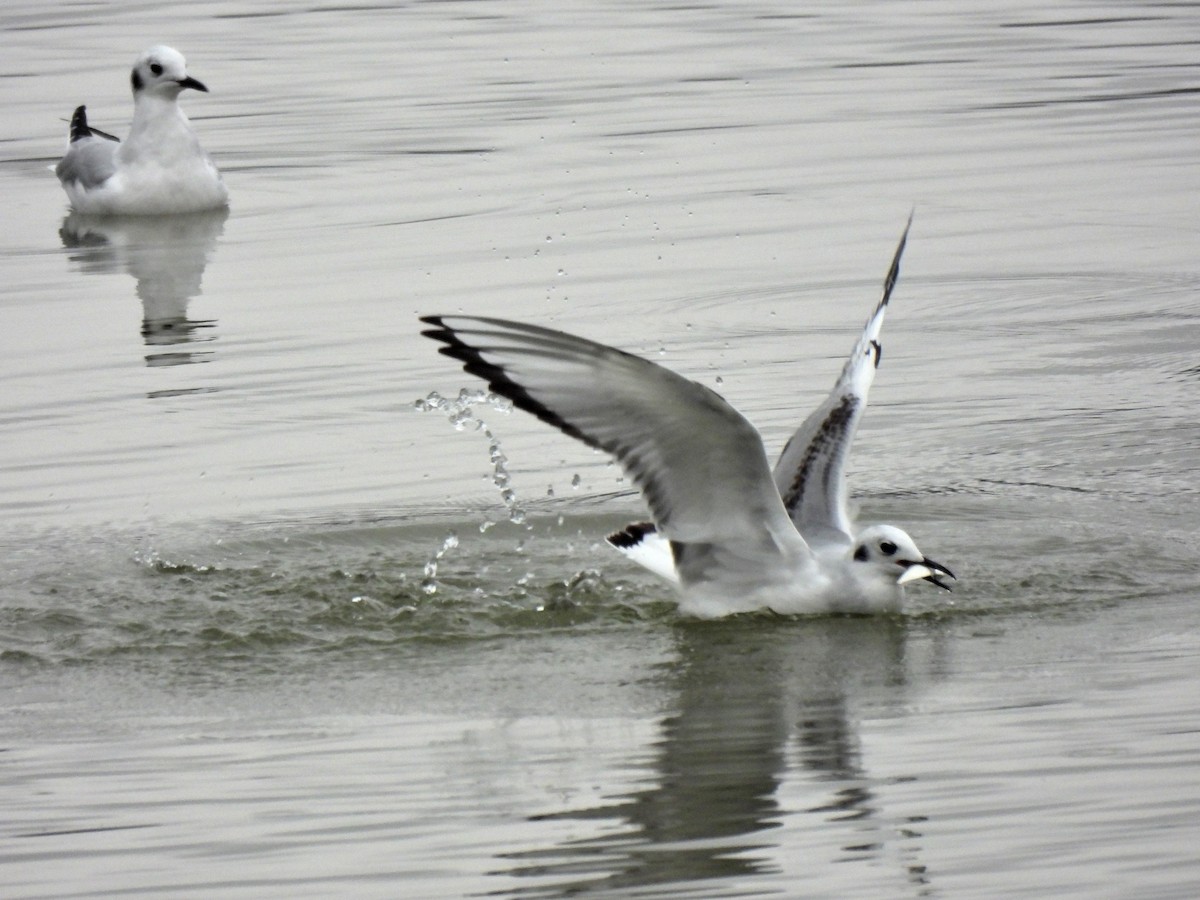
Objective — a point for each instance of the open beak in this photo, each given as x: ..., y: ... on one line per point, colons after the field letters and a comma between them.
x: 192, y: 83
x: 925, y: 569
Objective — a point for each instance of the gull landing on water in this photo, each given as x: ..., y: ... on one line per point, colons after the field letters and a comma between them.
x: 733, y: 535
x: 161, y: 168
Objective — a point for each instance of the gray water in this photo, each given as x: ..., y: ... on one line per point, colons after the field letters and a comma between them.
x: 269, y: 630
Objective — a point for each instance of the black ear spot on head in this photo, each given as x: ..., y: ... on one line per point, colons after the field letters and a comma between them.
x: 155, y: 69
x: 136, y: 80
x: 887, y: 548
x: 861, y: 553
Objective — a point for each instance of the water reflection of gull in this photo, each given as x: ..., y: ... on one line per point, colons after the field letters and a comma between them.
x: 166, y: 255
x: 762, y: 736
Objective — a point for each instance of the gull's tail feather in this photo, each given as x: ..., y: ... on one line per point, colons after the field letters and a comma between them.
x: 641, y: 543
x: 631, y: 535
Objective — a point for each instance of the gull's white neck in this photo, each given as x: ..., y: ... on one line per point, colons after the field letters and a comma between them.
x: 160, y: 131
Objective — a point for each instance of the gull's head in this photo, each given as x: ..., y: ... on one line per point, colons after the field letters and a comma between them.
x: 162, y: 72
x: 894, y: 555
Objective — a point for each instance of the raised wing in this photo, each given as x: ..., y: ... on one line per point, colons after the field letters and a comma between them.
x: 811, y: 471
x: 699, y: 463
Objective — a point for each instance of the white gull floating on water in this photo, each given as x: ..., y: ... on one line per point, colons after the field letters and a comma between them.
x: 160, y: 169
x: 733, y: 535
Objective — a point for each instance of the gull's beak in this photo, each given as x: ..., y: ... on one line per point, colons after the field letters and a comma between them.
x: 926, y: 569
x: 192, y: 83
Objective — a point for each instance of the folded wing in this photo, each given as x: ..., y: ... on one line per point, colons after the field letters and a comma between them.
x: 91, y: 154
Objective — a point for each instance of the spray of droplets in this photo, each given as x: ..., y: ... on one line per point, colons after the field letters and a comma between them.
x: 429, y: 581
x: 460, y: 411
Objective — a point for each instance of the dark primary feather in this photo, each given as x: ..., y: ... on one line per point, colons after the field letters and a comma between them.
x: 79, y: 124
x: 810, y: 473
x: 889, y: 281
x: 497, y: 378
x: 80, y: 129
x: 700, y: 465
x: 499, y: 337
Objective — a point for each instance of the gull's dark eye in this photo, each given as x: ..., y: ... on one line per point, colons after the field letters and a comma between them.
x: 155, y: 69
x: 887, y: 548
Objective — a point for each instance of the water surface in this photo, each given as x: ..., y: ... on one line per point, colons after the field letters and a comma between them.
x: 268, y: 629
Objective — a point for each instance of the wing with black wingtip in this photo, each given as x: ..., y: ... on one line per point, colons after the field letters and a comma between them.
x: 811, y: 471
x: 700, y: 465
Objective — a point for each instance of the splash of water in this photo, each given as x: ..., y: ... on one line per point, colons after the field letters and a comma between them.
x: 429, y: 582
x: 461, y: 413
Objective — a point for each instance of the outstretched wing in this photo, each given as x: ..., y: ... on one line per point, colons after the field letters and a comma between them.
x: 811, y: 471
x: 699, y: 463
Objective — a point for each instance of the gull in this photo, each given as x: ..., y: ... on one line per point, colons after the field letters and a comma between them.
x: 733, y: 536
x: 161, y: 168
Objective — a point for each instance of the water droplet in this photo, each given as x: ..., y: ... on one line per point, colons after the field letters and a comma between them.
x: 461, y: 415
